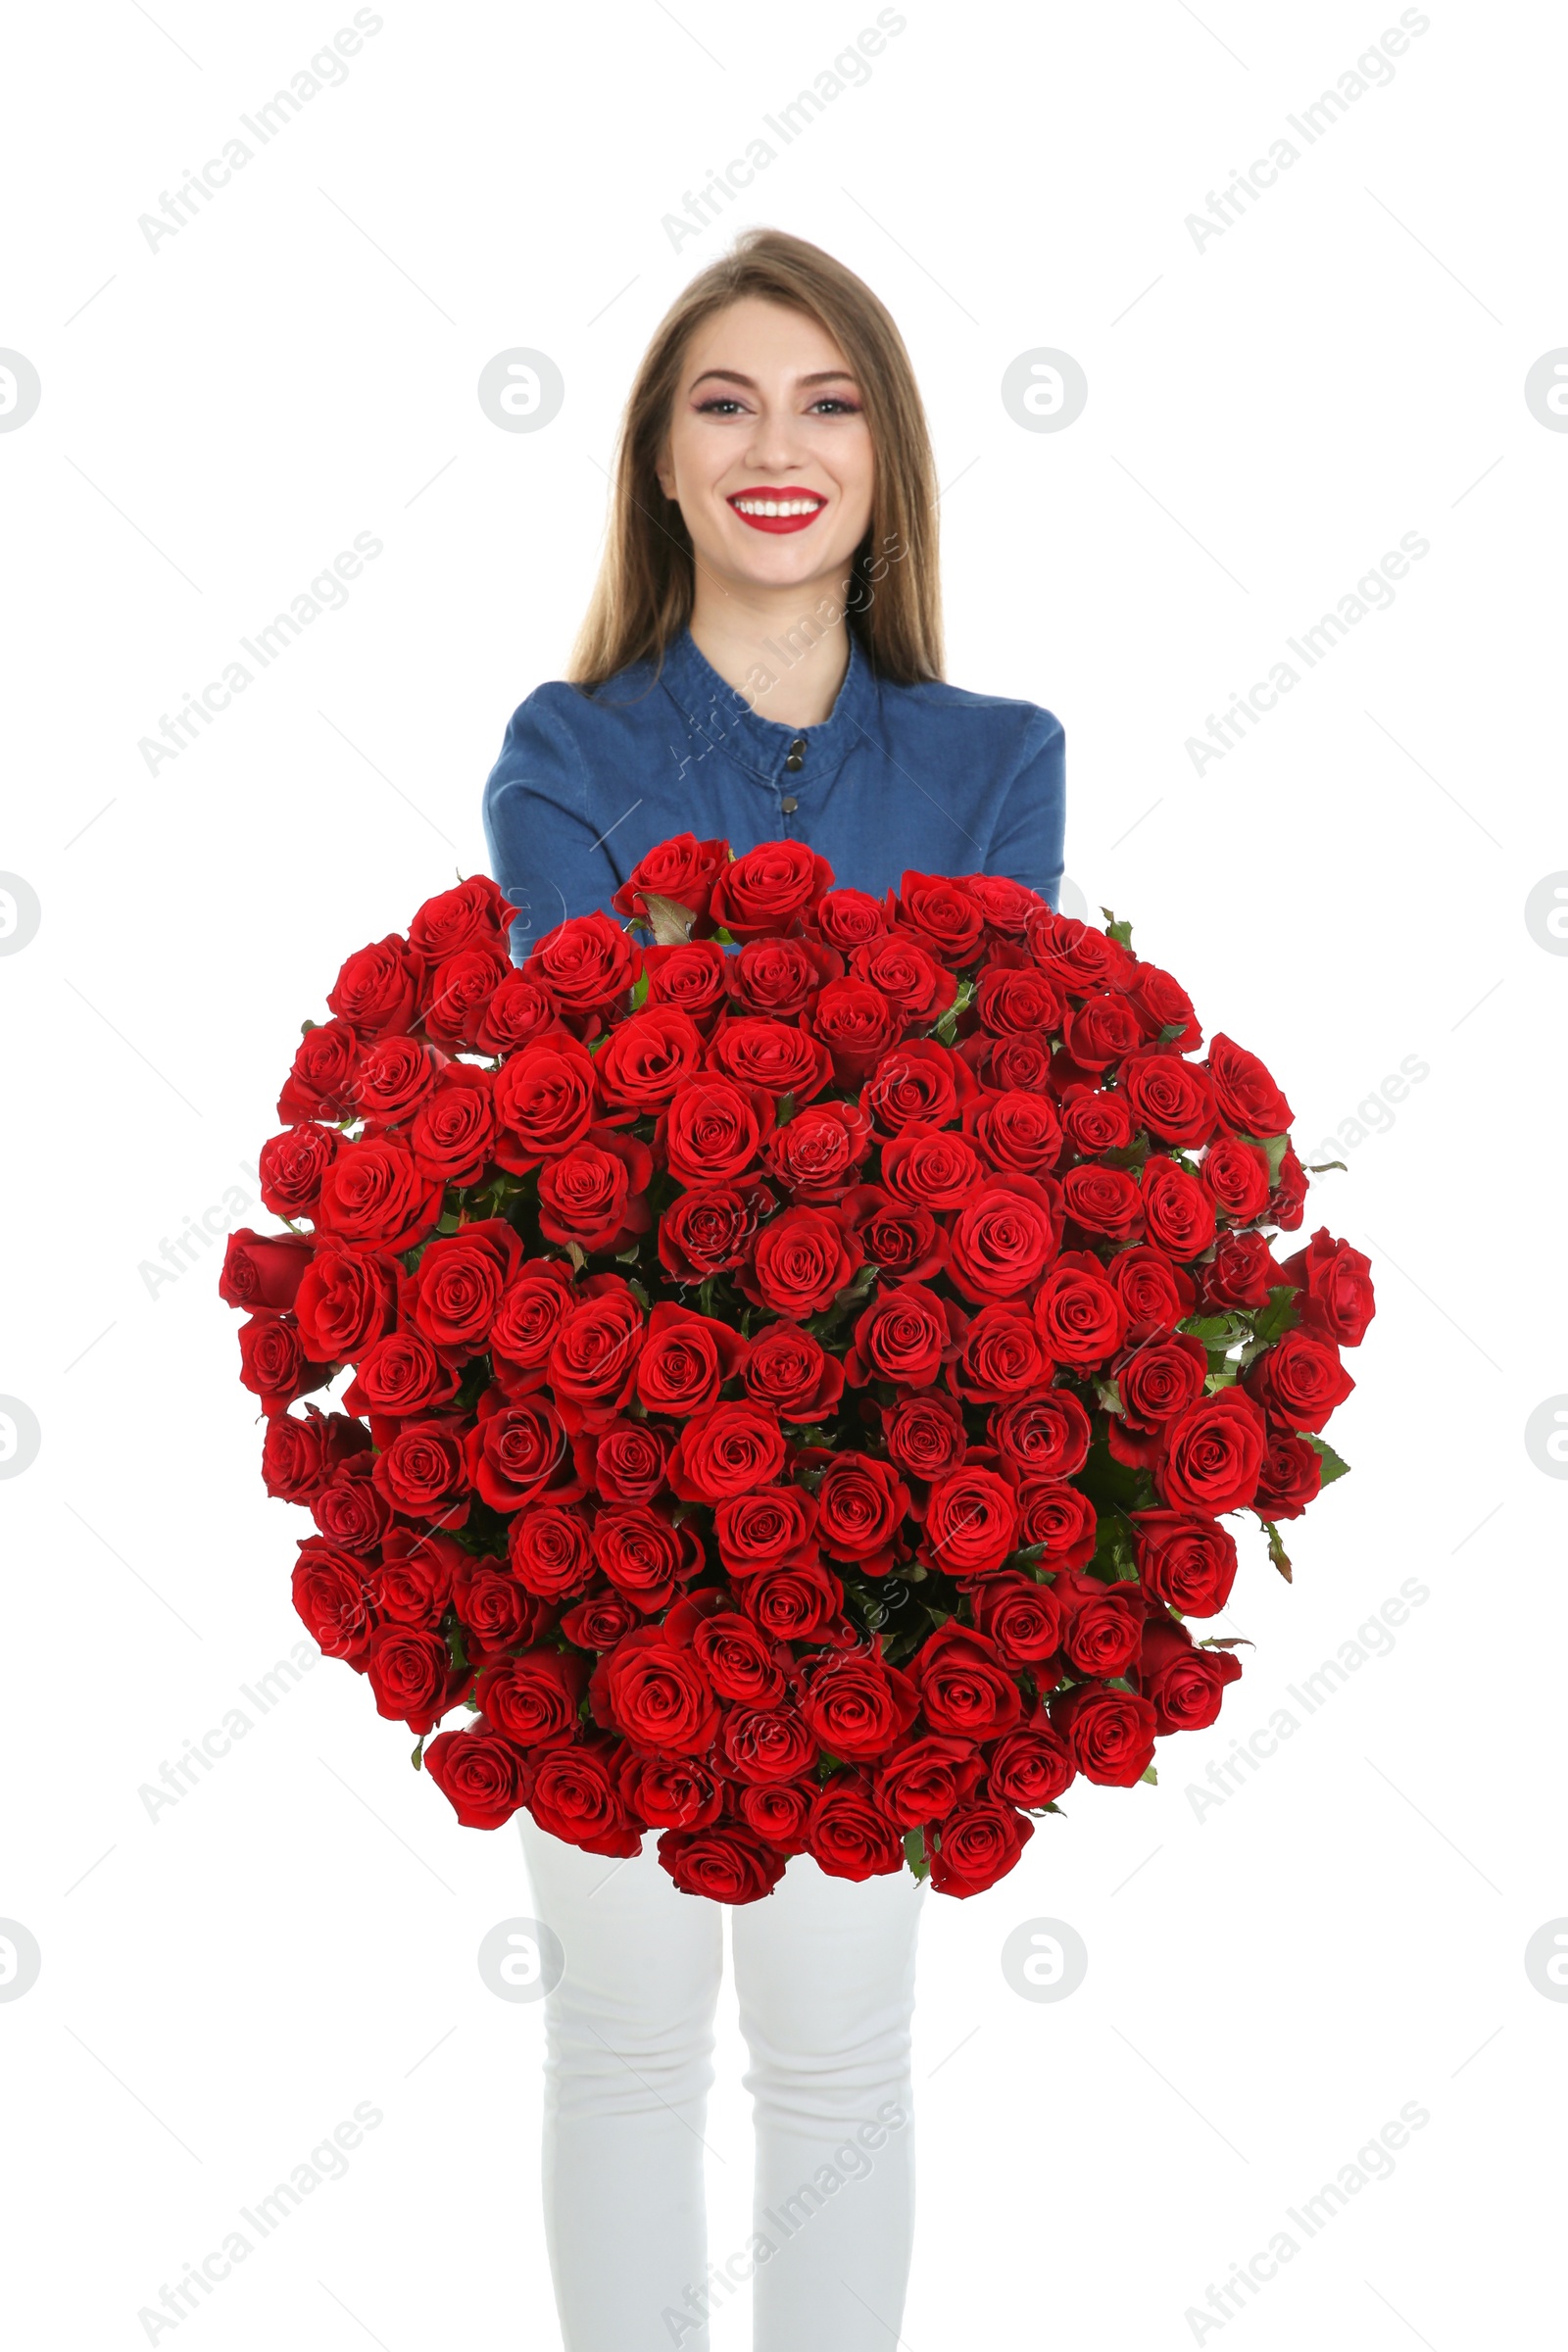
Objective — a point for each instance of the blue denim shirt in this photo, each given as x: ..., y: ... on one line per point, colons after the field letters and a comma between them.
x: 929, y: 777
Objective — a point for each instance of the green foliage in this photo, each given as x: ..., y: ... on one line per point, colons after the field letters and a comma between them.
x: 1334, y: 1465
x: 1121, y: 933
x: 915, y: 1853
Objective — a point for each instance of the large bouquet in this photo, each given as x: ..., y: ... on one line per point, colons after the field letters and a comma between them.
x: 803, y: 1350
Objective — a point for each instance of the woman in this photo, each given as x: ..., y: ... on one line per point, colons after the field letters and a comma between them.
x: 761, y: 660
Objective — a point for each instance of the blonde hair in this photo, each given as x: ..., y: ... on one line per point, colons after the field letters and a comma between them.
x: 642, y: 596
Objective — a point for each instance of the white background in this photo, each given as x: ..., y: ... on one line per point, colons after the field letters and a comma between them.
x: 1266, y: 417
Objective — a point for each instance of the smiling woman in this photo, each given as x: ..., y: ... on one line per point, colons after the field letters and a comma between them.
x: 761, y: 664
x: 762, y: 657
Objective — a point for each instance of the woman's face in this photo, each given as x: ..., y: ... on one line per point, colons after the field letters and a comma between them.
x: 767, y: 415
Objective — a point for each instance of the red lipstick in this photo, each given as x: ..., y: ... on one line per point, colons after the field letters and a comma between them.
x: 809, y: 503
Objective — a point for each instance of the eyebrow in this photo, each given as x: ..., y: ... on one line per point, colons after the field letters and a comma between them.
x: 732, y: 376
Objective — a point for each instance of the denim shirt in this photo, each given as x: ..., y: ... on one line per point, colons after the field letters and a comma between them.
x: 928, y: 777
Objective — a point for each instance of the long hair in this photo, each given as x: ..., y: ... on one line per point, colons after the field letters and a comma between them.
x: 643, y: 596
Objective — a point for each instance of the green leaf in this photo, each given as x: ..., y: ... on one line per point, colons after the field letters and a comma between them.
x: 1273, y: 1149
x: 1271, y: 1322
x: 672, y: 922
x: 1321, y: 1167
x: 417, y: 1758
x: 1334, y: 1465
x: 914, y: 1849
x: 1109, y: 1395
x: 1214, y: 1330
x: 786, y: 1109
x: 1216, y: 1381
x: 1150, y: 1776
x: 639, y: 995
x: 1172, y: 1030
x: 1121, y: 933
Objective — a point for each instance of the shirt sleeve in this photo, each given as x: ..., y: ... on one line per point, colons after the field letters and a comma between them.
x: 1031, y: 826
x: 539, y: 828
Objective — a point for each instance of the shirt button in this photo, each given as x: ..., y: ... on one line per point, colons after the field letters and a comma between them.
x: 797, y: 753
x: 789, y: 805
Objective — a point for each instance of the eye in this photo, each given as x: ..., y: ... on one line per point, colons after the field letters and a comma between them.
x: 836, y: 403
x: 721, y: 400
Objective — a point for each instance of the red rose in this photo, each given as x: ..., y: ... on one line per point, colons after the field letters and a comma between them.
x: 848, y: 918
x: 905, y: 1336
x: 1102, y: 1200
x: 454, y: 1132
x: 656, y: 1695
x: 1016, y: 1131
x: 594, y: 1194
x: 1335, y: 1282
x: 1022, y: 1618
x: 914, y: 982
x: 693, y: 979
x: 777, y: 977
x: 1291, y: 1478
x: 496, y: 1612
x: 1236, y: 1175
x: 544, y: 1103
x: 575, y: 1797
x: 728, y: 1450
x: 532, y: 1697
x: 1247, y: 1095
x: 400, y: 1375
x: 264, y: 1269
x: 1077, y: 956
x: 1300, y: 1380
x: 931, y: 1170
x: 1060, y: 1516
x: 857, y: 1024
x: 860, y: 1507
x: 1093, y: 1121
x: 799, y: 1602
x: 971, y: 1521
x: 762, y: 1526
x: 478, y: 1773
x: 320, y: 1080
x: 1103, y: 1625
x: 924, y: 1435
x: 819, y: 1155
x: 926, y: 1779
x: 900, y: 1241
x: 712, y: 1131
x: 726, y: 1863
x: 598, y: 1622
x: 377, y: 991
x: 411, y: 1676
x: 1161, y: 1379
x: 587, y: 962
x: 625, y: 1459
x: 1215, y: 1453
x: 1109, y: 1733
x: 349, y: 1510
x: 920, y: 1080
x: 778, y: 1811
x: 685, y: 1359
x: 766, y: 1743
x: 1171, y: 1097
x: 292, y: 1166
x: 1289, y: 1197
x: 299, y: 1456
x: 1001, y: 1243
x: 773, y: 1055
x: 1032, y: 1766
x: 848, y: 1837
x: 1183, y: 1683
x: 373, y: 1192
x: 645, y: 1059
x: 549, y: 1550
x: 769, y: 889
x: 1155, y: 1294
x: 273, y: 1362
x: 1240, y: 1272
x: 1161, y: 1003
x: 460, y: 1282
x: 966, y: 1686
x: 519, y: 1014
x: 1081, y: 1320
x: 710, y: 1229
x: 472, y: 914
x: 682, y: 870
x: 413, y: 1582
x: 669, y: 1793
x: 643, y: 1553
x: 593, y: 1357
x: 1047, y: 1436
x: 1188, y: 1563
x: 1007, y: 906
x: 330, y: 1599
x: 738, y: 1662
x: 789, y: 1371
x: 801, y: 1263
x: 942, y: 915
x: 528, y: 1316
x: 1014, y: 1064
x: 1000, y: 1357
x: 978, y: 1843
x: 460, y: 990
x: 422, y: 1472
x: 855, y: 1706
x: 518, y: 1452
x: 1178, y: 1213
x: 1016, y: 1000
x: 1102, y: 1030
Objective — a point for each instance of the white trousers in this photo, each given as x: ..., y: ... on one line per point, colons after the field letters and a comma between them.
x: 825, y: 1969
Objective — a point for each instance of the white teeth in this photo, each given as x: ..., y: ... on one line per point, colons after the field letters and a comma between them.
x: 776, y: 506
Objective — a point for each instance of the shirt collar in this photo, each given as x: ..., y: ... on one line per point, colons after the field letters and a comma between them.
x: 722, y: 714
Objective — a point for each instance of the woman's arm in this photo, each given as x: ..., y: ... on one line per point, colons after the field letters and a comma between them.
x: 545, y: 849
x: 1031, y: 829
